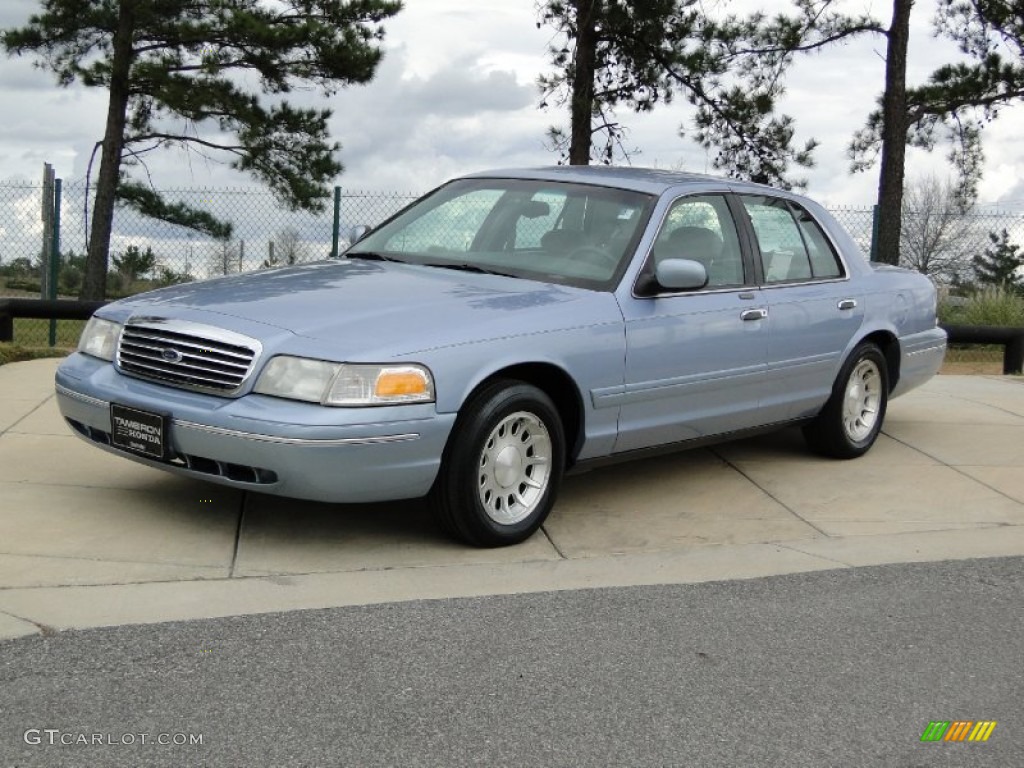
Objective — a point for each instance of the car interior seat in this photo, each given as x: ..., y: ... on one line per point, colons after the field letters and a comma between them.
x: 562, y: 240
x: 724, y: 266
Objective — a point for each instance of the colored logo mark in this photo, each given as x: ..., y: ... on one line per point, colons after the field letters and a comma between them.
x: 958, y: 730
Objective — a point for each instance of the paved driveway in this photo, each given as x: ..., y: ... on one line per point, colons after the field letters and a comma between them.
x: 88, y: 539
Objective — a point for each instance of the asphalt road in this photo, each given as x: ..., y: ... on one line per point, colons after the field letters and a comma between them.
x: 836, y: 668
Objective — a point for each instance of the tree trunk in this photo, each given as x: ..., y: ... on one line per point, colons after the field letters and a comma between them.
x: 582, y: 107
x: 94, y: 282
x: 894, y: 135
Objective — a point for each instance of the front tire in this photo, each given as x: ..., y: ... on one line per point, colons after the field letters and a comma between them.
x: 502, y: 468
x: 849, y: 423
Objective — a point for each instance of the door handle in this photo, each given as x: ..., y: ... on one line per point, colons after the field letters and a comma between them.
x: 847, y: 304
x: 754, y: 314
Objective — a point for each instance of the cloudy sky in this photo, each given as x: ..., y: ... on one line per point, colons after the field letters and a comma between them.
x: 457, y: 93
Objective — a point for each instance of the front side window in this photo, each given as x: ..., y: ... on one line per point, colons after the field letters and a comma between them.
x: 551, y: 231
x: 793, y: 246
x: 701, y: 228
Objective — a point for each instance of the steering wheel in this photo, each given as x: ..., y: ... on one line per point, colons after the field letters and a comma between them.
x: 592, y: 253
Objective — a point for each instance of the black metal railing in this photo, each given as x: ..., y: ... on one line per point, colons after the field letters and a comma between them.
x: 1011, y: 339
x: 45, y: 309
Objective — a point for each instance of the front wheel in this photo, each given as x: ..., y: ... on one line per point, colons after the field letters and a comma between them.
x: 502, y: 468
x: 852, y: 418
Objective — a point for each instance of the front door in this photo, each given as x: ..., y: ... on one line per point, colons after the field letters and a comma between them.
x: 695, y: 361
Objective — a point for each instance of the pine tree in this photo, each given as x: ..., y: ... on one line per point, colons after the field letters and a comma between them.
x: 1001, y: 263
x: 615, y: 53
x: 954, y: 104
x: 172, y: 71
x: 135, y: 263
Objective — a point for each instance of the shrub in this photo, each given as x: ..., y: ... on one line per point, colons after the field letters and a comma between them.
x: 24, y: 284
x: 21, y: 267
x: 70, y: 279
x: 168, y: 276
x: 115, y: 282
x: 988, y: 306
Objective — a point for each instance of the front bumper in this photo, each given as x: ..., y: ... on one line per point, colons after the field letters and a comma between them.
x: 266, y: 444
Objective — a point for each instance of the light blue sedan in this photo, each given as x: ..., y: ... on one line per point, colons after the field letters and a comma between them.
x: 504, y: 329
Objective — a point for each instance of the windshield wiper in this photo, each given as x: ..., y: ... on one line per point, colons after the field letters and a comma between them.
x: 463, y: 266
x: 372, y: 256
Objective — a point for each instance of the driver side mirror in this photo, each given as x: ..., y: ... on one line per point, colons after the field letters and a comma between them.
x: 357, y: 233
x: 680, y: 274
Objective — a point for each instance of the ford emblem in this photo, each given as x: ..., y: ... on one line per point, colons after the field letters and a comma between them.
x: 171, y: 355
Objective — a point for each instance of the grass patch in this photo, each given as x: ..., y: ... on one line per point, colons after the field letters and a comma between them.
x: 32, y: 332
x: 16, y: 353
x: 975, y: 353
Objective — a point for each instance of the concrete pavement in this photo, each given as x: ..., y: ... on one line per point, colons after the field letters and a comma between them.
x: 88, y: 539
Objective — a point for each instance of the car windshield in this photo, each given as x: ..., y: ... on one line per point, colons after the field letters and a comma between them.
x: 574, y: 234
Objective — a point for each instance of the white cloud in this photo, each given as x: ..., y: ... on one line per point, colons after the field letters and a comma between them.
x: 456, y: 93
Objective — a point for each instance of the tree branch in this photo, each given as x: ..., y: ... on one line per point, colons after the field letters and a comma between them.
x: 170, y: 137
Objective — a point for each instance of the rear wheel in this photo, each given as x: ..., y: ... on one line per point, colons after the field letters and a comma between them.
x: 849, y: 423
x: 502, y: 468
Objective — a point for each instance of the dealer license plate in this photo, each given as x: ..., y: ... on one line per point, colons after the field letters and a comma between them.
x: 138, y: 431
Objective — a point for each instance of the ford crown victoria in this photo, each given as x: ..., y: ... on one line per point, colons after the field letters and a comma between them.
x: 503, y: 330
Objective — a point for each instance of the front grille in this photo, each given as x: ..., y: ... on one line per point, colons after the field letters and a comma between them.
x: 186, y: 355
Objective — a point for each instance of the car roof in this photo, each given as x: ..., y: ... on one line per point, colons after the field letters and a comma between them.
x: 650, y: 180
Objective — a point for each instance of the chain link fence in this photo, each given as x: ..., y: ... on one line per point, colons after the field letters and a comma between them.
x: 859, y: 222
x: 263, y: 233
x: 146, y: 253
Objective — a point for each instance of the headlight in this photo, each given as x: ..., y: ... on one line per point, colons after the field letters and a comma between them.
x: 316, y: 381
x: 99, y: 338
x: 297, y: 378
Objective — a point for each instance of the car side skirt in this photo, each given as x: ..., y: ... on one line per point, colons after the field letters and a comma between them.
x: 683, y: 445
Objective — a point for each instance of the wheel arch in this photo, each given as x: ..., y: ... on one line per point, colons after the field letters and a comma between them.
x: 888, y: 342
x: 557, y: 384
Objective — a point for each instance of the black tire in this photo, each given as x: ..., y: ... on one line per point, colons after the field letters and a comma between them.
x: 846, y: 433
x: 502, y: 467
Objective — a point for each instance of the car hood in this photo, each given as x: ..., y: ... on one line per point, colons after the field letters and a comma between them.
x: 374, y: 308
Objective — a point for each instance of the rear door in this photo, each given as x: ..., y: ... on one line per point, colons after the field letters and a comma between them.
x: 814, y: 311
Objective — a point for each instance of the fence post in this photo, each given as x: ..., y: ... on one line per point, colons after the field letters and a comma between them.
x: 337, y: 222
x: 874, y: 233
x: 54, y: 265
x: 1013, y: 355
x: 46, y: 214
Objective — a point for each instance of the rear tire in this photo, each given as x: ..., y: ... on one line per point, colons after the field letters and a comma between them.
x: 502, y: 467
x: 849, y: 423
